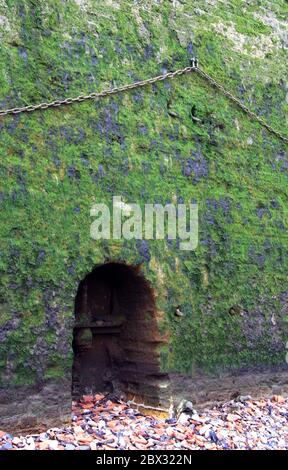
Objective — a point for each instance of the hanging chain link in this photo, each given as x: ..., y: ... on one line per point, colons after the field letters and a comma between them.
x: 113, y: 91
x: 101, y: 94
x: 240, y: 104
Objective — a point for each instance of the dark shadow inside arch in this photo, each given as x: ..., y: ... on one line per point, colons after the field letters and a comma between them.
x: 116, y: 340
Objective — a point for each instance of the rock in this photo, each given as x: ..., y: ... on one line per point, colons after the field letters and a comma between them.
x: 16, y: 441
x: 43, y: 445
x: 179, y: 436
x: 87, y: 399
x: 102, y: 424
x: 171, y: 421
x: 222, y: 434
x: 140, y: 439
x: 31, y: 446
x: 213, y: 436
x: 93, y: 424
x: 243, y: 398
x: 85, y: 440
x: 188, y: 407
x: 122, y: 442
x: 98, y: 397
x: 53, y: 445
x: 78, y: 430
x: 282, y: 444
x: 69, y: 447
x: 232, y: 418
x: 204, y: 429
x: 30, y: 443
x: 183, y: 418
x: 184, y: 406
x: 6, y: 446
x: 195, y: 420
x: 278, y: 399
x: 170, y: 431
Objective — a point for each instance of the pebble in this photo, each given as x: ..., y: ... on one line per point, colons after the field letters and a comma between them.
x: 244, y: 398
x: 69, y: 447
x: 183, y: 418
x: 53, y: 445
x: 204, y: 429
x: 278, y: 399
x: 213, y: 436
x: 6, y: 446
x: 242, y: 423
x: 16, y: 441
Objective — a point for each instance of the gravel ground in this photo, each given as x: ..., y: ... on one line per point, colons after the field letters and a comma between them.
x: 99, y: 423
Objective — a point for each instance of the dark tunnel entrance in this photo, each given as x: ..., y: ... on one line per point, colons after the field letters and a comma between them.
x: 116, y: 338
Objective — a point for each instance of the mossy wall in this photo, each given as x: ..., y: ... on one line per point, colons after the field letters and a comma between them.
x: 146, y: 146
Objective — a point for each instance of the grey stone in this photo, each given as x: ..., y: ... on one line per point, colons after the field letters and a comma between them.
x: 53, y: 445
x: 6, y: 446
x: 69, y: 447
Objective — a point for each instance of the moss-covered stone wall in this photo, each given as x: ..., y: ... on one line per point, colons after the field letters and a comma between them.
x: 147, y: 146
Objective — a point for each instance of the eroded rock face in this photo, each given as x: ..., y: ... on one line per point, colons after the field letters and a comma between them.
x: 176, y: 141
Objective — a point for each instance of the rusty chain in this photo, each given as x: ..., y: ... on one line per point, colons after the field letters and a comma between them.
x: 101, y: 94
x: 95, y: 95
x: 241, y: 105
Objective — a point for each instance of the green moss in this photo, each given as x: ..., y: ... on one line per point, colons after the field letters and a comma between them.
x: 54, y: 372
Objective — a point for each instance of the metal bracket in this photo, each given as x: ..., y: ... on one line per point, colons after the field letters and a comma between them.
x: 194, y: 62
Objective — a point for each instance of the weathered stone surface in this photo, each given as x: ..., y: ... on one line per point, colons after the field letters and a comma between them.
x: 179, y: 140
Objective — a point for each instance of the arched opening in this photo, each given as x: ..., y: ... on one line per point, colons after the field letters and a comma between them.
x: 116, y: 339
